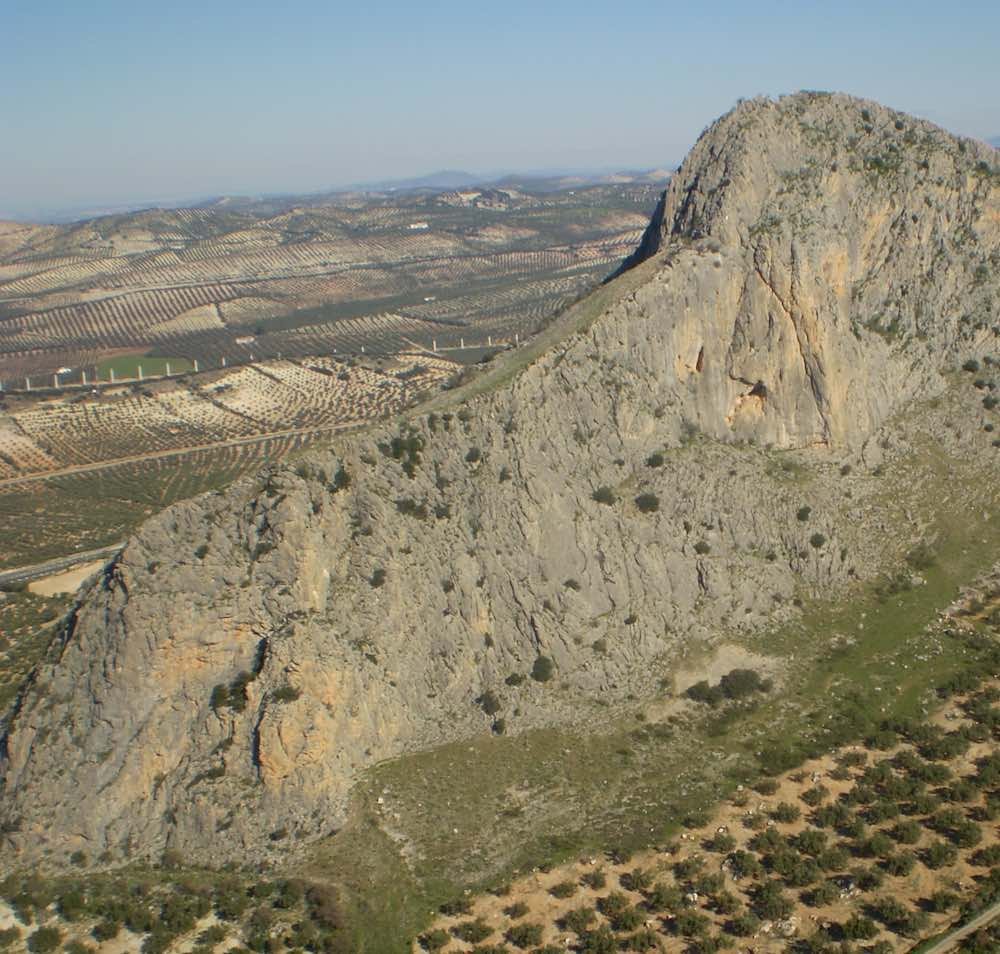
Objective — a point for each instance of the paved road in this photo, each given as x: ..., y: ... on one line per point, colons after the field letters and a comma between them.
x: 25, y: 574
x: 970, y: 927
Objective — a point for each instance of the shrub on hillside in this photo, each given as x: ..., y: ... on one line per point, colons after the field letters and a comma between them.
x: 647, y: 503
x: 44, y: 940
x: 578, y: 919
x: 472, y: 931
x: 524, y: 935
x: 543, y: 669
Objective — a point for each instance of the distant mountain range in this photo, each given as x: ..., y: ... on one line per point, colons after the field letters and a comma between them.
x: 995, y: 141
x: 538, y: 181
x: 441, y: 181
x: 444, y: 179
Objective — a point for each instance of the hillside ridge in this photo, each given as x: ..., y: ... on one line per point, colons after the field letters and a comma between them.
x: 539, y: 552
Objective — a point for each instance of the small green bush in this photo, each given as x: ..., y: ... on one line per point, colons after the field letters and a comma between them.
x: 701, y: 691
x: 604, y: 495
x: 803, y: 513
x: 411, y: 508
x: 786, y: 813
x: 524, y: 935
x: 341, y: 481
x: 106, y: 929
x: 472, y: 931
x: 740, y: 683
x: 434, y: 940
x: 77, y: 947
x: 743, y: 925
x: 286, y: 694
x: 455, y: 907
x: 655, y: 460
x: 859, y: 928
x: 8, y: 936
x: 647, y: 503
x: 600, y: 941
x: 636, y: 880
x: 234, y: 696
x: 543, y: 669
x: 45, y: 939
x: 578, y: 920
x: 489, y: 702
x: 722, y: 843
x: 595, y: 879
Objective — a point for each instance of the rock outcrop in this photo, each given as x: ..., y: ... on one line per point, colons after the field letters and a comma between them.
x: 817, y: 264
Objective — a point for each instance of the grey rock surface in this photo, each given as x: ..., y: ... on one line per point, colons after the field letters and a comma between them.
x: 817, y: 264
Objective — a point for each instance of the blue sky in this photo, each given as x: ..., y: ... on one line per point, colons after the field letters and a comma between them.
x: 107, y: 101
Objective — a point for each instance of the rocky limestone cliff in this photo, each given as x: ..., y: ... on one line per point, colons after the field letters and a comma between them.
x: 816, y: 265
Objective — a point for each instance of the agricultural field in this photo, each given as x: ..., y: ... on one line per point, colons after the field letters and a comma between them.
x: 875, y: 845
x: 139, y: 351
x: 58, y: 516
x: 219, y: 282
x: 53, y: 434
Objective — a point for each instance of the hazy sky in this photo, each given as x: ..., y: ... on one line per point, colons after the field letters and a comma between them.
x: 106, y: 101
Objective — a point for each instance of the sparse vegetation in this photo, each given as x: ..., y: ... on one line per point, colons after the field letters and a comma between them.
x: 604, y: 495
x: 543, y: 669
x: 647, y: 503
x: 772, y: 873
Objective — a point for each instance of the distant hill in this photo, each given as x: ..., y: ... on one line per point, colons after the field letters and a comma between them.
x: 445, y: 179
x: 995, y: 141
x: 438, y: 182
x: 541, y: 181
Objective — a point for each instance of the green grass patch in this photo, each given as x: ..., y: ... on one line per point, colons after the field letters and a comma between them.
x: 127, y: 366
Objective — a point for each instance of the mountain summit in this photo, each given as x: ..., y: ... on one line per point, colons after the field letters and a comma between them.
x: 537, y: 547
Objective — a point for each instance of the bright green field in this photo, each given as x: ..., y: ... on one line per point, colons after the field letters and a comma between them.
x: 127, y: 366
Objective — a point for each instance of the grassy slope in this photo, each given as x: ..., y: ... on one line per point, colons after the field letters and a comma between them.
x: 478, y: 811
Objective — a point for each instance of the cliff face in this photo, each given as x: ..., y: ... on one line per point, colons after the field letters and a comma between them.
x: 868, y: 243
x: 816, y: 265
